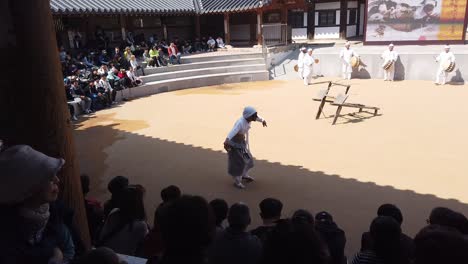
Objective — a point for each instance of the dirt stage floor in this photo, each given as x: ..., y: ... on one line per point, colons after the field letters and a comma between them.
x: 415, y: 154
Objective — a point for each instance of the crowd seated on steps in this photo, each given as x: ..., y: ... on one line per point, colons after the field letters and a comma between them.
x: 36, y: 227
x: 84, y: 68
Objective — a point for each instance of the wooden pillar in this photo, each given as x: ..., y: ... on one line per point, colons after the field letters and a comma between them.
x: 123, y: 24
x: 284, y: 15
x: 227, y: 30
x: 358, y: 18
x: 33, y: 108
x: 311, y: 20
x: 259, y: 27
x: 197, y: 26
x: 343, y: 18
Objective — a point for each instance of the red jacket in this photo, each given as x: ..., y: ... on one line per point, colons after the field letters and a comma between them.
x: 169, y: 50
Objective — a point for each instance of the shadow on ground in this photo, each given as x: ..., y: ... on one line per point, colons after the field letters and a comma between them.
x: 105, y: 151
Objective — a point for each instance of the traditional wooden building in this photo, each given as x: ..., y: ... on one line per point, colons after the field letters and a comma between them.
x: 239, y: 22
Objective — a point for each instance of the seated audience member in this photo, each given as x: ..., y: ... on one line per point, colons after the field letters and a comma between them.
x: 70, y: 100
x: 235, y: 245
x: 152, y: 246
x: 32, y: 227
x: 187, y: 227
x: 332, y: 235
x: 105, y: 88
x: 99, y: 99
x: 220, y: 210
x: 154, y: 56
x: 440, y: 244
x: 62, y: 54
x: 204, y: 45
x: 134, y: 80
x: 386, y: 246
x: 116, y: 187
x: 447, y: 217
x: 100, y: 255
x: 103, y: 70
x: 128, y: 53
x: 406, y: 242
x: 93, y: 207
x: 220, y: 43
x: 187, y: 48
x: 125, y: 228
x: 87, y: 62
x: 147, y: 58
x: 295, y: 241
x: 211, y: 44
x: 114, y: 80
x: 197, y: 45
x: 174, y: 53
x: 79, y: 96
x: 135, y: 66
x: 270, y: 212
x: 117, y: 54
x: 103, y: 58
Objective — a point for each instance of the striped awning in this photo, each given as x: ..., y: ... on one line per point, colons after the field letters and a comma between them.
x: 224, y: 6
x: 123, y: 6
x: 153, y: 6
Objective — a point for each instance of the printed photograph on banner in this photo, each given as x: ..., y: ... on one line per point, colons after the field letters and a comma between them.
x: 415, y: 20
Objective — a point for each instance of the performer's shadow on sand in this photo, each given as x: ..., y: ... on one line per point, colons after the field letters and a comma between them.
x: 399, y: 70
x: 457, y: 79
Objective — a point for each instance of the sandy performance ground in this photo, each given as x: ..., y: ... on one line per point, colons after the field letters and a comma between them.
x: 414, y: 154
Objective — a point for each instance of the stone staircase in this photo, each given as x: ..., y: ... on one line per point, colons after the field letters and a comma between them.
x: 198, y: 71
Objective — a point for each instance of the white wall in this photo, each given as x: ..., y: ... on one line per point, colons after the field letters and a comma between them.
x: 299, y: 33
x: 353, y: 4
x: 327, y: 33
x: 324, y: 6
x: 351, y: 31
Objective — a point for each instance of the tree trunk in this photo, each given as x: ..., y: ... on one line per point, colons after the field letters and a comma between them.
x: 33, y: 108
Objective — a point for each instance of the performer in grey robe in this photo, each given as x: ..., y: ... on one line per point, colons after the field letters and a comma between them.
x: 240, y: 159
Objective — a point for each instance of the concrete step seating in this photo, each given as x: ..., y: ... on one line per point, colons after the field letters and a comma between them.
x: 201, y: 70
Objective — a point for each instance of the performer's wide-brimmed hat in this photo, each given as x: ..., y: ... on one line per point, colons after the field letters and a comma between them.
x: 447, y: 47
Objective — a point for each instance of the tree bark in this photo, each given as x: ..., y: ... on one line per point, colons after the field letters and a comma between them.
x: 33, y: 108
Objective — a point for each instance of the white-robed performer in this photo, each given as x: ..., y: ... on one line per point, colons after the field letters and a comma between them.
x: 346, y: 54
x: 240, y: 159
x: 300, y: 62
x: 444, y: 57
x: 309, y: 61
x: 389, y: 56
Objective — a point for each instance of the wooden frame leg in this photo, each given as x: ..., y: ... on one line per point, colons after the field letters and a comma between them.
x: 322, y: 104
x: 360, y: 110
x: 338, y: 110
x: 375, y: 112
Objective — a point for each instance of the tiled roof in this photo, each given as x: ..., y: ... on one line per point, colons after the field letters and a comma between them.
x: 122, y: 6
x: 220, y: 6
x: 153, y: 6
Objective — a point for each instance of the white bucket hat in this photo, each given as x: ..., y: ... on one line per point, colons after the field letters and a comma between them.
x: 248, y: 112
x: 24, y: 170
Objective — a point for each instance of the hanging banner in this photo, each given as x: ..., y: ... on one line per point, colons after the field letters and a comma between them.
x: 415, y: 20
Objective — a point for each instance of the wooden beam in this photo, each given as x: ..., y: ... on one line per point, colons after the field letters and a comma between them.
x: 311, y: 20
x: 259, y: 27
x: 343, y: 18
x: 35, y: 112
x: 197, y: 26
x: 227, y: 30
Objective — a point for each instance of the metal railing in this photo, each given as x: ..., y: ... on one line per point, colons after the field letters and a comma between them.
x: 276, y: 34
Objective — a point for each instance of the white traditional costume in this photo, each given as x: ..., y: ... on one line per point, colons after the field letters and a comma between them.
x: 442, y: 59
x: 346, y: 54
x: 300, y: 62
x: 240, y: 159
x: 389, y: 55
x: 308, y: 67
